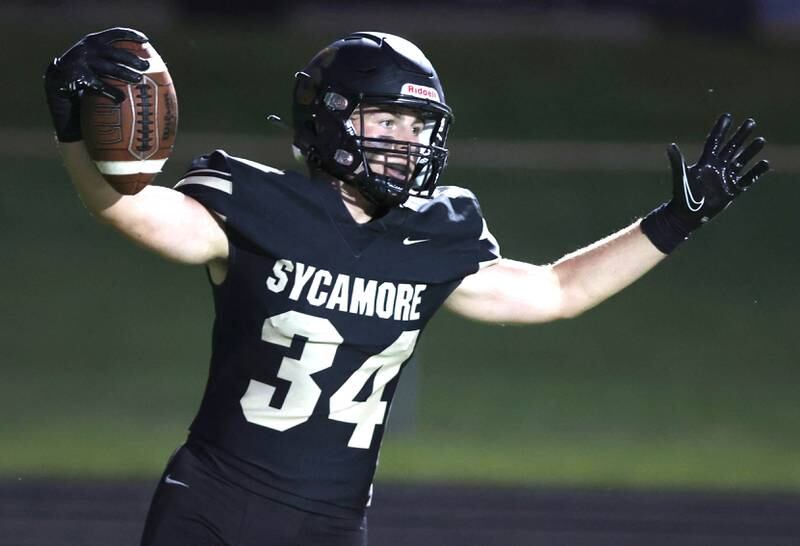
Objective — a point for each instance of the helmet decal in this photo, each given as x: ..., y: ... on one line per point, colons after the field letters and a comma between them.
x: 420, y: 91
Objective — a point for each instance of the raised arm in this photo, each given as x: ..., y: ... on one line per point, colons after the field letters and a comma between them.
x: 163, y: 220
x: 516, y: 292
x: 160, y: 219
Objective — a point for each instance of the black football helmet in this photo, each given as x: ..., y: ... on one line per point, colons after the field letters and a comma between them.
x: 371, y: 69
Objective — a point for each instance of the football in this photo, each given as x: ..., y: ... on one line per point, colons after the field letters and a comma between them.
x: 129, y: 142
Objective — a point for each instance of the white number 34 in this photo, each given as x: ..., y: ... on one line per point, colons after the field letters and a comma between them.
x: 318, y: 354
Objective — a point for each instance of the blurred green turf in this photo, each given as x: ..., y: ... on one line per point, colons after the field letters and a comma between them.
x: 688, y: 378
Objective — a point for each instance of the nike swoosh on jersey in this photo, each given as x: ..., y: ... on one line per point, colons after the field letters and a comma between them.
x: 693, y: 204
x: 168, y: 480
x: 409, y: 241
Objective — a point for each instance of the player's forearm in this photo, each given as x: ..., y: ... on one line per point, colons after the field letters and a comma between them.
x: 598, y: 271
x: 159, y: 219
x: 97, y: 195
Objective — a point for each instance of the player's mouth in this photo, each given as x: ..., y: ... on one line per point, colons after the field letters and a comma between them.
x: 400, y: 171
x: 400, y: 174
x: 394, y: 167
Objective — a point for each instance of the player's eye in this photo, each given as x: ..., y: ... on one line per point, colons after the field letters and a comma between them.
x: 388, y: 123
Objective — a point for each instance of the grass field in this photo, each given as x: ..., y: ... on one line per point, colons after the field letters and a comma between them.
x: 688, y: 379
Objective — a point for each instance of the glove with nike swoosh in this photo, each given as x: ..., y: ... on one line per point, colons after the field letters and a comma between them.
x: 703, y: 190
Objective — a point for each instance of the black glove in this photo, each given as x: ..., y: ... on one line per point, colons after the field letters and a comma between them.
x: 80, y: 68
x: 703, y: 190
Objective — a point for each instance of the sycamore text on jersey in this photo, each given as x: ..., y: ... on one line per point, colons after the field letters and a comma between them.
x: 386, y: 300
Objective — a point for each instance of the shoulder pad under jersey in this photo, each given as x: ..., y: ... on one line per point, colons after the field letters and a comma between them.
x: 454, y: 213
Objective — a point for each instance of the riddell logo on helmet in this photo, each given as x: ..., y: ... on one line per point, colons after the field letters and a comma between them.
x: 420, y: 91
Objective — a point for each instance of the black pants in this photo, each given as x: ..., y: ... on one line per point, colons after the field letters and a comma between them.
x: 193, y: 506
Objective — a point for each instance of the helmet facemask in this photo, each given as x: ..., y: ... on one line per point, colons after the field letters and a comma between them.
x: 388, y: 171
x: 372, y: 70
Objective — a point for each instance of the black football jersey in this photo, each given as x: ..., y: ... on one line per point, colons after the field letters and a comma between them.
x: 314, y: 322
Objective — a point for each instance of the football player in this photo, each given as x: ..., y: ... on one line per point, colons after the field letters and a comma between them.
x: 323, y: 283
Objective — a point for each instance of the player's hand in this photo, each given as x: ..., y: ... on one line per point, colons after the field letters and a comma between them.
x: 80, y: 70
x: 703, y: 190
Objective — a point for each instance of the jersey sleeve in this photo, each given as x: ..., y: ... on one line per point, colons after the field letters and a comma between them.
x: 454, y: 217
x: 488, y: 248
x: 255, y: 202
x: 209, y: 180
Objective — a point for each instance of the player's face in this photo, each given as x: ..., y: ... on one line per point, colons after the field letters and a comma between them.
x: 397, y: 124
